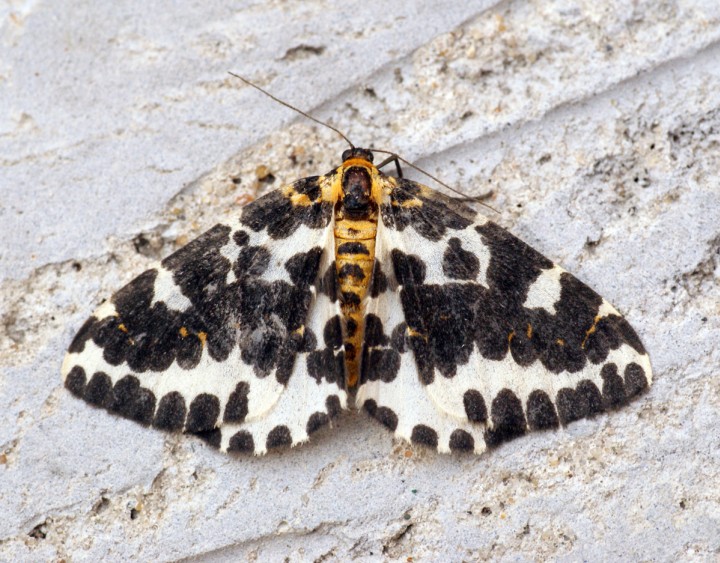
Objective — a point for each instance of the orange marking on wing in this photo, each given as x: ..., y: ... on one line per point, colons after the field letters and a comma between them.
x: 411, y: 332
x: 589, y: 331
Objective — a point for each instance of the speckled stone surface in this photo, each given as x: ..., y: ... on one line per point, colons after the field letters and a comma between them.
x: 596, y: 128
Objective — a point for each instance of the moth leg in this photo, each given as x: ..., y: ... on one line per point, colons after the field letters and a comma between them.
x: 388, y: 160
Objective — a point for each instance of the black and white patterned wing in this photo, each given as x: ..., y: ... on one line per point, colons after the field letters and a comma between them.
x: 221, y: 339
x: 474, y: 337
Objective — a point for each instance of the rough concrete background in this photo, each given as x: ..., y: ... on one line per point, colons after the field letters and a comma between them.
x: 596, y: 125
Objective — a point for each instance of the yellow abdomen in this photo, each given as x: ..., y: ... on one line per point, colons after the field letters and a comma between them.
x: 354, y: 260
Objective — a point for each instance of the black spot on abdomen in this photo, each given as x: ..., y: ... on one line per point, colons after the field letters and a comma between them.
x: 353, y: 248
x: 350, y: 298
x: 351, y: 270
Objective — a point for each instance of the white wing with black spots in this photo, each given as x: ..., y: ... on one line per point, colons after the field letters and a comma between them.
x: 247, y: 336
x: 221, y: 339
x: 390, y: 387
x: 499, y: 339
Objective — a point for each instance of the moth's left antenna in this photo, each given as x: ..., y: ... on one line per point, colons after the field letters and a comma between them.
x: 287, y: 105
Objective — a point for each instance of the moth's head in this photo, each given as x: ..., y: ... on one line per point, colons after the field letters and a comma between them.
x: 357, y: 180
x: 357, y: 153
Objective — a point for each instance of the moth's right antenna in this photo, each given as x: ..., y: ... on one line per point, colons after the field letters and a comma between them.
x: 394, y: 157
x: 287, y: 105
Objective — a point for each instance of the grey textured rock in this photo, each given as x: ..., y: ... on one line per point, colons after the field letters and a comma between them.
x: 595, y: 125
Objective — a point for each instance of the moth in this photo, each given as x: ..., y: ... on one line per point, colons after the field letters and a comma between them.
x: 356, y: 289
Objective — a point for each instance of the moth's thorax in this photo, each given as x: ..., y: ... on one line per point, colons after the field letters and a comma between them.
x: 356, y: 188
x: 356, y: 218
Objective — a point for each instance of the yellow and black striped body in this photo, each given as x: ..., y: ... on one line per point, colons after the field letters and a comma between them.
x: 356, y: 219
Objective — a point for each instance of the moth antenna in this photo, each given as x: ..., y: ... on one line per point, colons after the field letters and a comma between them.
x: 287, y: 105
x: 477, y: 199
